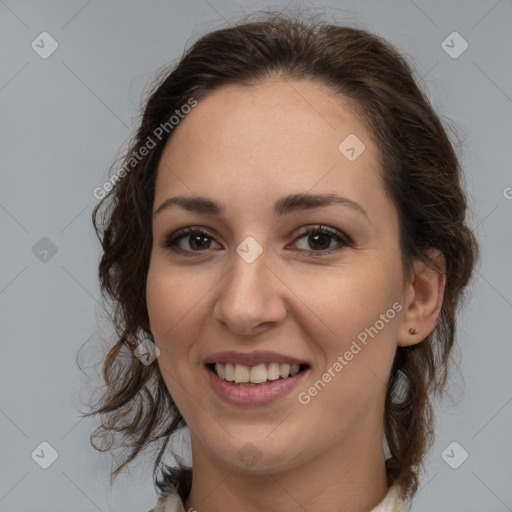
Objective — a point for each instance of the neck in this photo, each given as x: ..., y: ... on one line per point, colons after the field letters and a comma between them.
x: 351, y: 473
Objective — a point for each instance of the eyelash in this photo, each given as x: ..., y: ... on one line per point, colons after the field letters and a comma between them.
x: 340, y: 237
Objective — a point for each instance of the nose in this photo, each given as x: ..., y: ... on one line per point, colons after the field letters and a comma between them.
x: 251, y: 297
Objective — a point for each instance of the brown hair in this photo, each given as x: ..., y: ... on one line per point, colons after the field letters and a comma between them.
x: 422, y: 175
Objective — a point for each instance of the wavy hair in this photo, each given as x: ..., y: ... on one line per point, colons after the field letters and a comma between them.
x: 422, y: 176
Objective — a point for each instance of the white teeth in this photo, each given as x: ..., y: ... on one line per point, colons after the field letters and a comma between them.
x: 229, y: 372
x: 284, y: 370
x: 220, y: 370
x: 240, y: 373
x: 273, y: 371
x: 258, y: 374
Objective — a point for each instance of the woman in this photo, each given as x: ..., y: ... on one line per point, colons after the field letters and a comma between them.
x: 287, y: 233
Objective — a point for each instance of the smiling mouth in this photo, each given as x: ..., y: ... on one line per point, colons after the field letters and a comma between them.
x: 257, y: 375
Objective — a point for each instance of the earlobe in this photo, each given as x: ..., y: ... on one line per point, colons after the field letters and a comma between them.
x: 425, y: 298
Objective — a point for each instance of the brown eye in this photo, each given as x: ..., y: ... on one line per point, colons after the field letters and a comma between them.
x: 197, y: 239
x: 320, y: 238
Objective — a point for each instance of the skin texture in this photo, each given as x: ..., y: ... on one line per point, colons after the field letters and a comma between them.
x: 246, y: 147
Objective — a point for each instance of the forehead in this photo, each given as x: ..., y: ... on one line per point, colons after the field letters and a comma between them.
x: 258, y: 142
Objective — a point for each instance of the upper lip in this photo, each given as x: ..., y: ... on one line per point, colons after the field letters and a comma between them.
x: 251, y: 358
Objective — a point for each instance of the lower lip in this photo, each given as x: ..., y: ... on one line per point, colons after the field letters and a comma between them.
x: 261, y: 394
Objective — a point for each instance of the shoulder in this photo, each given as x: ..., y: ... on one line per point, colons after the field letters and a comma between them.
x: 392, y: 502
x: 169, y: 503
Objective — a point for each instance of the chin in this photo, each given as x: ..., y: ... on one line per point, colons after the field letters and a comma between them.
x: 255, y: 455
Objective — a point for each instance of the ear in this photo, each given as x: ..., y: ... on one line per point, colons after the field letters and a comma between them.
x: 424, y: 298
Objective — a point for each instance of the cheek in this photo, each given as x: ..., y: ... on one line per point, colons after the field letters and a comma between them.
x: 175, y: 301
x: 170, y: 297
x: 348, y: 303
x: 355, y: 329
x: 159, y: 299
x: 168, y: 302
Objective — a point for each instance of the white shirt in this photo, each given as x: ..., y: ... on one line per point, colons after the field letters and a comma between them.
x: 392, y: 502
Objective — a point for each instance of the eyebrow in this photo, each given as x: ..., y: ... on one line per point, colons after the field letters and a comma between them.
x: 283, y: 206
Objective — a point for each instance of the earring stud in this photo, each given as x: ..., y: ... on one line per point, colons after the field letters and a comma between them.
x: 413, y: 331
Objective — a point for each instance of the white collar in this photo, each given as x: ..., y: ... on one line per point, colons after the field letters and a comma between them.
x: 392, y: 502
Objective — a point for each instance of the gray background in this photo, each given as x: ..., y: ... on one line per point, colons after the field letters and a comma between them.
x: 65, y: 117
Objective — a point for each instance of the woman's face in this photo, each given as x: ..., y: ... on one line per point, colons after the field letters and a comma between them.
x: 260, y: 279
